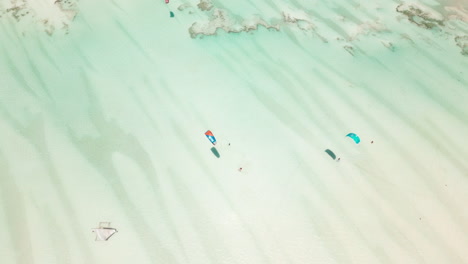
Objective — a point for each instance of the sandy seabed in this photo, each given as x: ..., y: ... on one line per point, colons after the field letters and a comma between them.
x: 104, y: 106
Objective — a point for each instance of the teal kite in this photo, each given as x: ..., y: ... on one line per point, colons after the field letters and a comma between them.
x: 354, y: 137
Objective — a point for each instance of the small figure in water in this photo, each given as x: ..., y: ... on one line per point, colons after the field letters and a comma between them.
x: 240, y: 169
x: 229, y: 144
x: 372, y: 142
x: 338, y: 159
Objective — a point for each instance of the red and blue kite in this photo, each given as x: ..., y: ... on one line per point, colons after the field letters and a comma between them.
x: 210, y: 137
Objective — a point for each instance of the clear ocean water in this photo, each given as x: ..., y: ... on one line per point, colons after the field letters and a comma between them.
x: 104, y: 106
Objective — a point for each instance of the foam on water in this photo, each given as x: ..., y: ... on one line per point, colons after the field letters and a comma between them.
x: 103, y: 106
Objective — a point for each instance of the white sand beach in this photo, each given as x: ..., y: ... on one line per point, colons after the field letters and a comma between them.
x: 104, y: 106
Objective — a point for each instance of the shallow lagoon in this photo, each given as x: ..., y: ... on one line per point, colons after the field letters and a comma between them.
x: 104, y: 107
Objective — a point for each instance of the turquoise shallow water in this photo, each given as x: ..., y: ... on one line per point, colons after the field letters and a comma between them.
x: 103, y: 120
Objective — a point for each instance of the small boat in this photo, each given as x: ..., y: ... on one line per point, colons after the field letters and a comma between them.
x: 104, y: 231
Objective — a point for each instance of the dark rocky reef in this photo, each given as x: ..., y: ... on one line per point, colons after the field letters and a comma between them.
x: 420, y: 17
x: 462, y: 42
x: 220, y: 20
x: 205, y: 5
x: 63, y: 13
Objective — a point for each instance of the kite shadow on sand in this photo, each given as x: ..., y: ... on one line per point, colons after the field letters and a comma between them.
x: 329, y: 152
x: 215, y: 152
